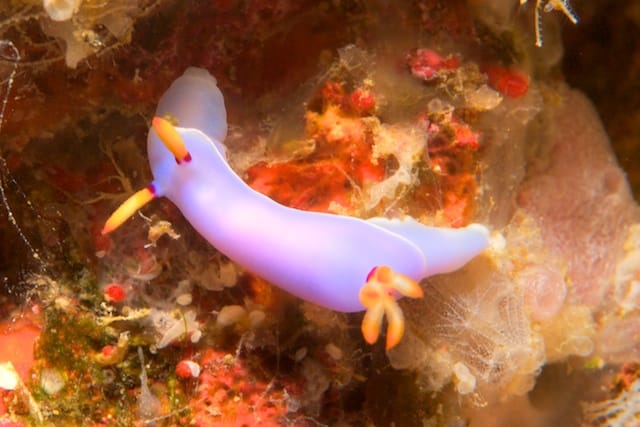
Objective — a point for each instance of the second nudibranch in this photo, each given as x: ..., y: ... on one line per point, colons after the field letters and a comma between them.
x: 342, y: 263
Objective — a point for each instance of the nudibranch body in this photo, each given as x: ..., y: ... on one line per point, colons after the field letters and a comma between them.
x: 343, y: 263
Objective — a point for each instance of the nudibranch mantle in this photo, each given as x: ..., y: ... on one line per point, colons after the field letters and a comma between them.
x: 331, y: 260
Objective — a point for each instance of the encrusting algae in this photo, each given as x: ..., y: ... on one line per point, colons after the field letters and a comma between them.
x: 448, y: 118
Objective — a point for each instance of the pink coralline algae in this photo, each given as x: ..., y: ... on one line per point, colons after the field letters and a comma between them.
x: 583, y: 215
x: 509, y: 81
x: 229, y: 393
x: 546, y: 291
x: 449, y: 121
x: 426, y: 64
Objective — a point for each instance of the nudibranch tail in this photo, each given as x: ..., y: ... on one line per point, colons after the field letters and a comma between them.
x: 378, y: 296
x: 128, y: 208
x: 171, y: 139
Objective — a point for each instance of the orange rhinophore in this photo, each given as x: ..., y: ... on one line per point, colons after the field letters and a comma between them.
x: 128, y: 208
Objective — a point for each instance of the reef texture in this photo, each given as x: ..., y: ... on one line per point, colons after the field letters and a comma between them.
x: 442, y: 110
x: 552, y: 288
x: 609, y: 35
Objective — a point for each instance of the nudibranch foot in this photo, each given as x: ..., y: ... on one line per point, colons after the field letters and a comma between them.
x: 378, y: 295
x: 128, y: 208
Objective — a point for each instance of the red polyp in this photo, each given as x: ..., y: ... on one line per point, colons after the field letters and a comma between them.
x: 183, y: 370
x: 362, y: 102
x: 510, y: 82
x: 426, y: 64
x: 108, y: 350
x: 114, y: 292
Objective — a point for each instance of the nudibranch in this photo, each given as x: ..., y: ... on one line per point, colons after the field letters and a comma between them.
x: 343, y: 263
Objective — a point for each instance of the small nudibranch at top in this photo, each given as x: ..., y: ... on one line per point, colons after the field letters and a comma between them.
x: 343, y: 263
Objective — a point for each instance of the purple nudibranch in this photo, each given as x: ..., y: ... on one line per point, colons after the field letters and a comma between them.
x: 343, y: 263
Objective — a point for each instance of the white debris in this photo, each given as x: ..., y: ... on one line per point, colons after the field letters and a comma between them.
x: 256, y: 317
x: 148, y: 404
x: 184, y: 299
x: 334, y: 351
x: 465, y: 382
x: 230, y: 315
x: 51, y: 381
x: 61, y: 10
x: 173, y: 326
x: 9, y: 378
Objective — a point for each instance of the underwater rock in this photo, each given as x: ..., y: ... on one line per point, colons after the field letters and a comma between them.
x: 579, y: 197
x: 533, y: 299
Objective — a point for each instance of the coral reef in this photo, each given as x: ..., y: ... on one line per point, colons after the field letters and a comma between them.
x: 609, y: 35
x: 621, y: 410
x: 536, y: 300
x: 442, y: 110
